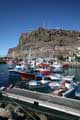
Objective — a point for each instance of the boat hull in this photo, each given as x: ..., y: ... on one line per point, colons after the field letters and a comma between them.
x: 26, y: 76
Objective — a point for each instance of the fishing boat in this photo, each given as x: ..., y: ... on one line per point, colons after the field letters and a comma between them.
x: 26, y: 75
x: 41, y: 69
x: 57, y: 79
x: 67, y: 88
x: 57, y: 67
x: 44, y: 68
x: 13, y: 73
x: 34, y: 85
x: 29, y: 74
x: 18, y: 71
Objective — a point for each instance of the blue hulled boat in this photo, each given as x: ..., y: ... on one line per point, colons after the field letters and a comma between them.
x: 77, y: 91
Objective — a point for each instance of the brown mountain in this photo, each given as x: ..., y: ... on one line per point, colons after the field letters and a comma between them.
x: 46, y: 42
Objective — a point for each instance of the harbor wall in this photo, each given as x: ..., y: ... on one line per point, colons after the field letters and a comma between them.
x: 72, y: 64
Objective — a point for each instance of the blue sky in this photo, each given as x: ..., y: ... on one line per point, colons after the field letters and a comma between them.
x: 17, y: 16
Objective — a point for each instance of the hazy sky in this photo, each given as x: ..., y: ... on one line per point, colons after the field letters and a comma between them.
x: 17, y: 16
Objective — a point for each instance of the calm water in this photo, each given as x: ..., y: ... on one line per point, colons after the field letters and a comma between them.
x: 4, y: 75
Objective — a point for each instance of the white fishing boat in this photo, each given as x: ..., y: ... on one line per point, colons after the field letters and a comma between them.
x: 57, y: 67
x: 66, y: 88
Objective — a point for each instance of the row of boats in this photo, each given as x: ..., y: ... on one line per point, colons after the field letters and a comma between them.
x: 45, y: 77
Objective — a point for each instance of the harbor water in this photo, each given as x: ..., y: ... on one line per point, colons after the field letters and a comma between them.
x: 4, y: 77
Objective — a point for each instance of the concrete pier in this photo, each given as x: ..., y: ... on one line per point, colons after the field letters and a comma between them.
x: 44, y: 103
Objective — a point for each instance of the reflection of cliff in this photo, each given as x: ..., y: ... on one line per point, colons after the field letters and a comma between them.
x: 45, y: 41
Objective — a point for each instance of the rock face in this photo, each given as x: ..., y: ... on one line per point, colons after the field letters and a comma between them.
x: 44, y: 42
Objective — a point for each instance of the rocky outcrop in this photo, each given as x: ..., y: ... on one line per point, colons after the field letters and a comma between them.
x: 43, y: 42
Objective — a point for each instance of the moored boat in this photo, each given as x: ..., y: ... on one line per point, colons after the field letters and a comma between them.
x: 26, y: 75
x: 57, y: 67
x: 66, y: 88
x: 34, y: 85
x: 44, y: 68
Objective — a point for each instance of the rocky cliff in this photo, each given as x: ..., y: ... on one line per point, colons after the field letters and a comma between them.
x: 44, y: 42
